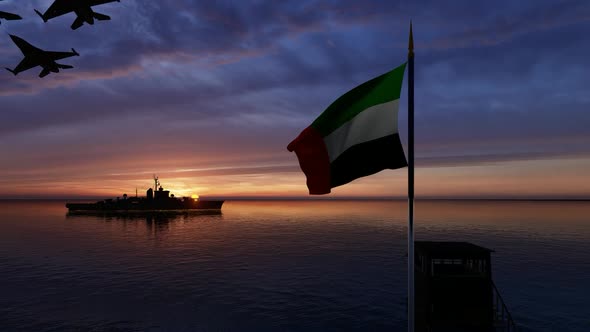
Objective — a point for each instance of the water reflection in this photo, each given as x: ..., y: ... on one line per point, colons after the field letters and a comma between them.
x: 155, y: 222
x: 278, y: 266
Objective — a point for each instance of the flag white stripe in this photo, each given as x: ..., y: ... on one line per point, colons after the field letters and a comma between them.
x: 374, y: 122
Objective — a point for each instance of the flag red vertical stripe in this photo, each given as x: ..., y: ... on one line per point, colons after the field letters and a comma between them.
x: 314, y: 160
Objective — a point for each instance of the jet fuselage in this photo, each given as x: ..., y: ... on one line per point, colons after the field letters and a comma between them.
x: 44, y: 62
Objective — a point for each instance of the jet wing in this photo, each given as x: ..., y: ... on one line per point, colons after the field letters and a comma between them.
x: 9, y: 16
x: 26, y: 64
x: 59, y: 8
x: 100, y: 2
x: 58, y: 55
x: 24, y: 47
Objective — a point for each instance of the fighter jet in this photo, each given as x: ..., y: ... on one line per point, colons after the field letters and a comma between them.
x: 9, y: 16
x: 82, y: 8
x: 37, y: 57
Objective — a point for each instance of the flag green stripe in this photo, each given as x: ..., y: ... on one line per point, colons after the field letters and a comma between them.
x: 379, y: 90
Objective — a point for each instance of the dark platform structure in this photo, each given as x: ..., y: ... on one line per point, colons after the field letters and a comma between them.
x: 455, y: 291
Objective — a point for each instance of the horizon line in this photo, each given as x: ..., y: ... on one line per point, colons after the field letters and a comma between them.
x: 320, y: 198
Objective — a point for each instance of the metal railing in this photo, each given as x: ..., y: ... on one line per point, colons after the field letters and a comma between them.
x: 502, y: 319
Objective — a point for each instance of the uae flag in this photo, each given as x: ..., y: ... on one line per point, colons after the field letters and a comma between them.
x: 356, y: 136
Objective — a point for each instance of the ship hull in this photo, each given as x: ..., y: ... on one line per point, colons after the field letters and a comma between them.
x: 155, y: 206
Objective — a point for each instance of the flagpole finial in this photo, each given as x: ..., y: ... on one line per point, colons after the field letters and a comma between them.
x: 411, y: 42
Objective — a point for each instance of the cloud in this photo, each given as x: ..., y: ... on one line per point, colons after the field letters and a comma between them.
x: 224, y: 82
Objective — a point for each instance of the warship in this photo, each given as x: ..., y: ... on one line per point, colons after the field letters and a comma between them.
x: 156, y: 199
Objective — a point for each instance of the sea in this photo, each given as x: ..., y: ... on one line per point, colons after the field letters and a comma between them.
x: 279, y: 265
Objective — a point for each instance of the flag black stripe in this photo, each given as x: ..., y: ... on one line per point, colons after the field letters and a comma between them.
x: 366, y: 159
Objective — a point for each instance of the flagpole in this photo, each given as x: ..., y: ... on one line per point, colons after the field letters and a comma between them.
x: 411, y: 182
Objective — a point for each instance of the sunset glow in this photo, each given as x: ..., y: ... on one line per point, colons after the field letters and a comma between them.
x: 212, y: 110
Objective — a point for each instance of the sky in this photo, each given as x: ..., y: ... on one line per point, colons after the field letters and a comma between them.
x: 207, y: 95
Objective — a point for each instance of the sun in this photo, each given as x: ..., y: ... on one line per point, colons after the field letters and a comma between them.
x: 195, y: 196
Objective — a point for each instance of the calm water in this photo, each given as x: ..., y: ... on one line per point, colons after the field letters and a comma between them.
x: 278, y: 266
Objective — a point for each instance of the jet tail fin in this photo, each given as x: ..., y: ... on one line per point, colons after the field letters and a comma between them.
x: 41, y: 15
x: 10, y: 70
x: 44, y: 73
x: 101, y: 17
x: 77, y: 23
x: 75, y: 53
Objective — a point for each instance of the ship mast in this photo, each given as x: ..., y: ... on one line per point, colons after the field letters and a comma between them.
x: 156, y: 183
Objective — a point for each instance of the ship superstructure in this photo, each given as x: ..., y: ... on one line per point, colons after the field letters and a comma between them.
x: 156, y: 199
